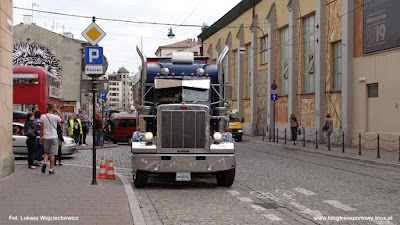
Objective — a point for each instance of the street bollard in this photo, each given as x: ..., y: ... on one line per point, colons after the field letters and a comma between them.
x: 277, y: 135
x: 285, y: 136
x: 316, y: 139
x: 269, y: 134
x: 304, y: 137
x: 343, y: 141
x: 359, y: 143
x: 329, y: 141
x: 379, y: 154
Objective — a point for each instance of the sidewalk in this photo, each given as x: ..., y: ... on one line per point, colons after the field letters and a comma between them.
x: 67, y: 195
x: 368, y: 156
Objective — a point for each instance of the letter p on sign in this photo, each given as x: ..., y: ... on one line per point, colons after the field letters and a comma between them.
x: 93, y: 55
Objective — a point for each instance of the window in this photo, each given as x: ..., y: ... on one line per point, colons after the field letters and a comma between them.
x: 264, y: 50
x: 308, y: 57
x: 127, y: 123
x: 372, y: 90
x: 249, y: 69
x: 123, y: 82
x: 337, y: 66
x: 284, y: 62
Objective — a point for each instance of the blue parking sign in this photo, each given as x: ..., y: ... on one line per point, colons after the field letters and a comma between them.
x: 102, y: 95
x: 94, y: 55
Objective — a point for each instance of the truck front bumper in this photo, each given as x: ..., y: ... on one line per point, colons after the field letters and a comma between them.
x: 171, y: 163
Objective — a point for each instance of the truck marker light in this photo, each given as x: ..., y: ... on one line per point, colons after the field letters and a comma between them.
x: 182, y: 74
x: 192, y: 74
x: 207, y: 75
x: 158, y: 74
x: 173, y: 74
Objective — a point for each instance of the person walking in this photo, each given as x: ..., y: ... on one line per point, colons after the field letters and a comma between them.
x: 110, y: 129
x: 293, y: 127
x: 60, y: 141
x: 31, y: 143
x: 75, y: 127
x: 48, y: 135
x: 39, y: 147
x: 328, y: 127
x: 98, y: 127
x: 85, y: 126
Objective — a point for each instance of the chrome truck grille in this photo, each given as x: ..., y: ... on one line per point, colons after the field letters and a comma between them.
x: 183, y: 130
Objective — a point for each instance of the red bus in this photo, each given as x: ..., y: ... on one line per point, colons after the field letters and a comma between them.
x: 35, y: 86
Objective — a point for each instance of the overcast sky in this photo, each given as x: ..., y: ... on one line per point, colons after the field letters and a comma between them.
x: 120, y: 42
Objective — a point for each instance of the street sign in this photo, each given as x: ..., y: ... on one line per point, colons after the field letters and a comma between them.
x: 274, y: 97
x: 242, y: 50
x: 102, y: 95
x: 93, y: 33
x: 274, y: 87
x: 94, y: 69
x: 100, y: 86
x: 93, y: 55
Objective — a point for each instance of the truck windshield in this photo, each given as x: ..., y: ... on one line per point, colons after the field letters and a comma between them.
x: 175, y: 95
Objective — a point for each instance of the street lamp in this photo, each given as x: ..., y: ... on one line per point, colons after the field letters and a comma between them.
x: 170, y: 34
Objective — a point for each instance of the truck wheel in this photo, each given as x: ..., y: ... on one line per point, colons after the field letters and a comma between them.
x: 239, y: 139
x: 225, y: 178
x: 140, y: 180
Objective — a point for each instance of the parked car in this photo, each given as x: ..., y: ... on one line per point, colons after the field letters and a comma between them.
x: 19, y: 116
x: 19, y: 142
x: 125, y: 125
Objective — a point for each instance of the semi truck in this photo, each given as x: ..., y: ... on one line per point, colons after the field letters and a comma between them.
x: 182, y: 103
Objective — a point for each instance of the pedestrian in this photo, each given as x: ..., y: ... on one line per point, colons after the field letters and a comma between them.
x: 293, y: 127
x: 328, y: 127
x: 98, y: 127
x: 48, y: 135
x: 75, y: 128
x: 39, y: 147
x: 60, y: 141
x: 31, y: 133
x: 110, y: 129
x: 85, y: 126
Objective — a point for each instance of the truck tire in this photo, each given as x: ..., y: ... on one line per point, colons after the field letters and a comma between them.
x: 225, y: 178
x: 140, y: 180
x: 239, y: 139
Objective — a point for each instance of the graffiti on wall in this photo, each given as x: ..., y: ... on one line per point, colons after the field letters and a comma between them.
x: 34, y: 54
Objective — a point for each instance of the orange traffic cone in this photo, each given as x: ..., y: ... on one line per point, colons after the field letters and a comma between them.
x: 110, y: 170
x: 103, y: 170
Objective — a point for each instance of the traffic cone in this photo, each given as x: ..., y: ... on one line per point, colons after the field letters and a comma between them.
x: 110, y: 170
x: 103, y: 169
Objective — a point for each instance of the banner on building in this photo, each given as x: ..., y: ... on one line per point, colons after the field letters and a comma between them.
x: 381, y: 30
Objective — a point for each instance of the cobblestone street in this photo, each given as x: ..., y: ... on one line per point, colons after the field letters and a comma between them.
x: 272, y: 185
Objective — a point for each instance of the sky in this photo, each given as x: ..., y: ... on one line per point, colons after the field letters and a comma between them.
x: 121, y: 38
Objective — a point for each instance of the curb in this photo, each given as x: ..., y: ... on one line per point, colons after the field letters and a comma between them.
x: 370, y: 161
x: 97, y: 147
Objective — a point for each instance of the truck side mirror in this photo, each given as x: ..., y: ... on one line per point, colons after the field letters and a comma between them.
x: 242, y: 120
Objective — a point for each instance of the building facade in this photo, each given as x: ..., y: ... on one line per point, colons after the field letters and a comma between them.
x: 315, y: 52
x: 188, y: 45
x: 114, y: 91
x: 68, y: 51
x: 6, y: 88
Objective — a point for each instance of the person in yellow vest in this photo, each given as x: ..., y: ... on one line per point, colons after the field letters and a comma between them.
x: 75, y: 128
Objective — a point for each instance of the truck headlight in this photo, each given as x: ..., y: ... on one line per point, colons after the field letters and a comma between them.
x: 217, y: 136
x: 148, y: 136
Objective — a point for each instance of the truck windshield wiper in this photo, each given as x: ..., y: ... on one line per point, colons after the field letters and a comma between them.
x: 200, y: 99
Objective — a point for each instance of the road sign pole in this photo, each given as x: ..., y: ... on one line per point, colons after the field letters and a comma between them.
x: 94, y: 181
